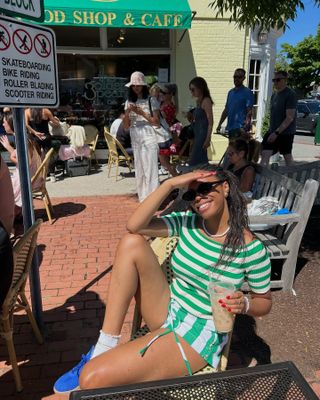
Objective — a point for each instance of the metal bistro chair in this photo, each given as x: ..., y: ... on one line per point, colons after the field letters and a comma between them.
x: 163, y: 248
x: 40, y: 192
x: 92, y: 136
x: 114, y: 157
x: 16, y: 298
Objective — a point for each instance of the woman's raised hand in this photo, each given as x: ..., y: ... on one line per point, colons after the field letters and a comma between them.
x: 184, y: 181
x: 5, y: 142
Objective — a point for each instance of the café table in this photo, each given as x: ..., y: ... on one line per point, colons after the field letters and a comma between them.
x: 279, y: 381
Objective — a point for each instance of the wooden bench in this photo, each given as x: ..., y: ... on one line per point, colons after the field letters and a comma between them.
x: 301, y: 172
x: 283, y: 240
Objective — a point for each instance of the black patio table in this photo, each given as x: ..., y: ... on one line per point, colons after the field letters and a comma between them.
x: 279, y: 381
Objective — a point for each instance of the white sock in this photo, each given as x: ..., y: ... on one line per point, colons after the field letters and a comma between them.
x: 105, y: 342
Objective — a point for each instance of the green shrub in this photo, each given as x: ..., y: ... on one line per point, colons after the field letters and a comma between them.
x: 265, y: 123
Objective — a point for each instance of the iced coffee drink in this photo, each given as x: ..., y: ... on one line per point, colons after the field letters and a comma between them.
x: 223, y: 319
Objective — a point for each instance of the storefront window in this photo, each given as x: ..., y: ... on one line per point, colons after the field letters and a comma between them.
x: 77, y: 37
x: 133, y: 37
x: 254, y: 85
x: 95, y: 83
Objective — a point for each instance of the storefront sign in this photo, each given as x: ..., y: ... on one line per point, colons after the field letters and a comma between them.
x: 28, y: 65
x: 29, y: 9
x: 174, y: 14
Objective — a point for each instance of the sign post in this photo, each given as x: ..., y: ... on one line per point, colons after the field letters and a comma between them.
x: 27, y: 207
x: 28, y: 78
x: 29, y: 9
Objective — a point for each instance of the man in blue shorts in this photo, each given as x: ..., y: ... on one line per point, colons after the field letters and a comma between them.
x: 238, y: 107
x: 280, y: 135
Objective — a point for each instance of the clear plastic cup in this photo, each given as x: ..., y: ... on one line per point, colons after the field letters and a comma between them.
x: 222, y: 318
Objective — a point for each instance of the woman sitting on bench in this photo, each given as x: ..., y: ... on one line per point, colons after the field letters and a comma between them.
x: 214, y: 243
x: 240, y: 166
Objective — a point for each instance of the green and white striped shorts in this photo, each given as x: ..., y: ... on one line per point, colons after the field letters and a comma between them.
x: 198, y: 332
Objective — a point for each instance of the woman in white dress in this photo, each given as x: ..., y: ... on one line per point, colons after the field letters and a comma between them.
x: 143, y: 136
x: 34, y: 162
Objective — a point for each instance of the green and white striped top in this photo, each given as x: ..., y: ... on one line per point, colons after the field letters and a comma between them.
x: 195, y: 257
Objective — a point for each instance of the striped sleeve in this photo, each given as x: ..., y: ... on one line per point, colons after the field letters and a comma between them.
x: 174, y: 222
x: 258, y: 270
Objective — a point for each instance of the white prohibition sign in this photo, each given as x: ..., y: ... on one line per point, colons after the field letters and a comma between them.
x: 42, y: 45
x: 28, y: 53
x: 22, y: 41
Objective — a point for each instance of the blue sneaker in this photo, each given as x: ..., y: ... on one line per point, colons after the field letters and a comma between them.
x: 70, y: 380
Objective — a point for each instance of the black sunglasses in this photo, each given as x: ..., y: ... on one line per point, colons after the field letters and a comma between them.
x: 202, y: 190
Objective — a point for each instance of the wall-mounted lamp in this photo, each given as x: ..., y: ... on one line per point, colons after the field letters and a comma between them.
x: 262, y: 37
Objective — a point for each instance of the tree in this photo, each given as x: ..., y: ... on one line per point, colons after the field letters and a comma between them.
x: 265, y: 13
x: 303, y: 63
x: 281, y: 62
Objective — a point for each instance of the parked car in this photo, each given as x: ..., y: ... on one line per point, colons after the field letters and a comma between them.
x: 308, y: 110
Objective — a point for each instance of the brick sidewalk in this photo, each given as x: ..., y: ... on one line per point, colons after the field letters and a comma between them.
x: 76, y: 255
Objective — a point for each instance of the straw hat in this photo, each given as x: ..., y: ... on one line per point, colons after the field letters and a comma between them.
x: 137, y: 78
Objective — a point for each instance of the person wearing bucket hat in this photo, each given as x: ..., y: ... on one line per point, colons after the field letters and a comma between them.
x: 139, y: 120
x: 137, y: 78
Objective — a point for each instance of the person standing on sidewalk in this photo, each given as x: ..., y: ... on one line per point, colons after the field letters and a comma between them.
x: 238, y: 108
x: 283, y: 110
x: 202, y: 121
x: 143, y: 137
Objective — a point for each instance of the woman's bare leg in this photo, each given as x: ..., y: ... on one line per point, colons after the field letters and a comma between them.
x: 136, y: 267
x: 124, y: 364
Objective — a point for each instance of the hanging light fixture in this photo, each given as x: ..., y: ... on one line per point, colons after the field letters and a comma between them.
x: 262, y: 36
x: 121, y: 36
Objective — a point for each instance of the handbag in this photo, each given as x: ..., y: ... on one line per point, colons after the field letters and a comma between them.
x: 163, y: 134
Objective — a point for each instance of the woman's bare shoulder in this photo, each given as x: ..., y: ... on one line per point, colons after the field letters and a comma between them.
x: 206, y: 101
x: 248, y: 236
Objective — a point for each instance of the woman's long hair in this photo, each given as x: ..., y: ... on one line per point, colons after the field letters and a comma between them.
x: 132, y: 96
x: 238, y: 215
x: 201, y: 84
x: 36, y: 115
x: 240, y: 145
x: 9, y: 119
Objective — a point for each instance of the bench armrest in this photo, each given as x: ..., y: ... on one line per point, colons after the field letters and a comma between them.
x: 274, y: 219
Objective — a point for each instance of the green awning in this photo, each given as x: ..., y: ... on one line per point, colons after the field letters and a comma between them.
x: 173, y: 14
